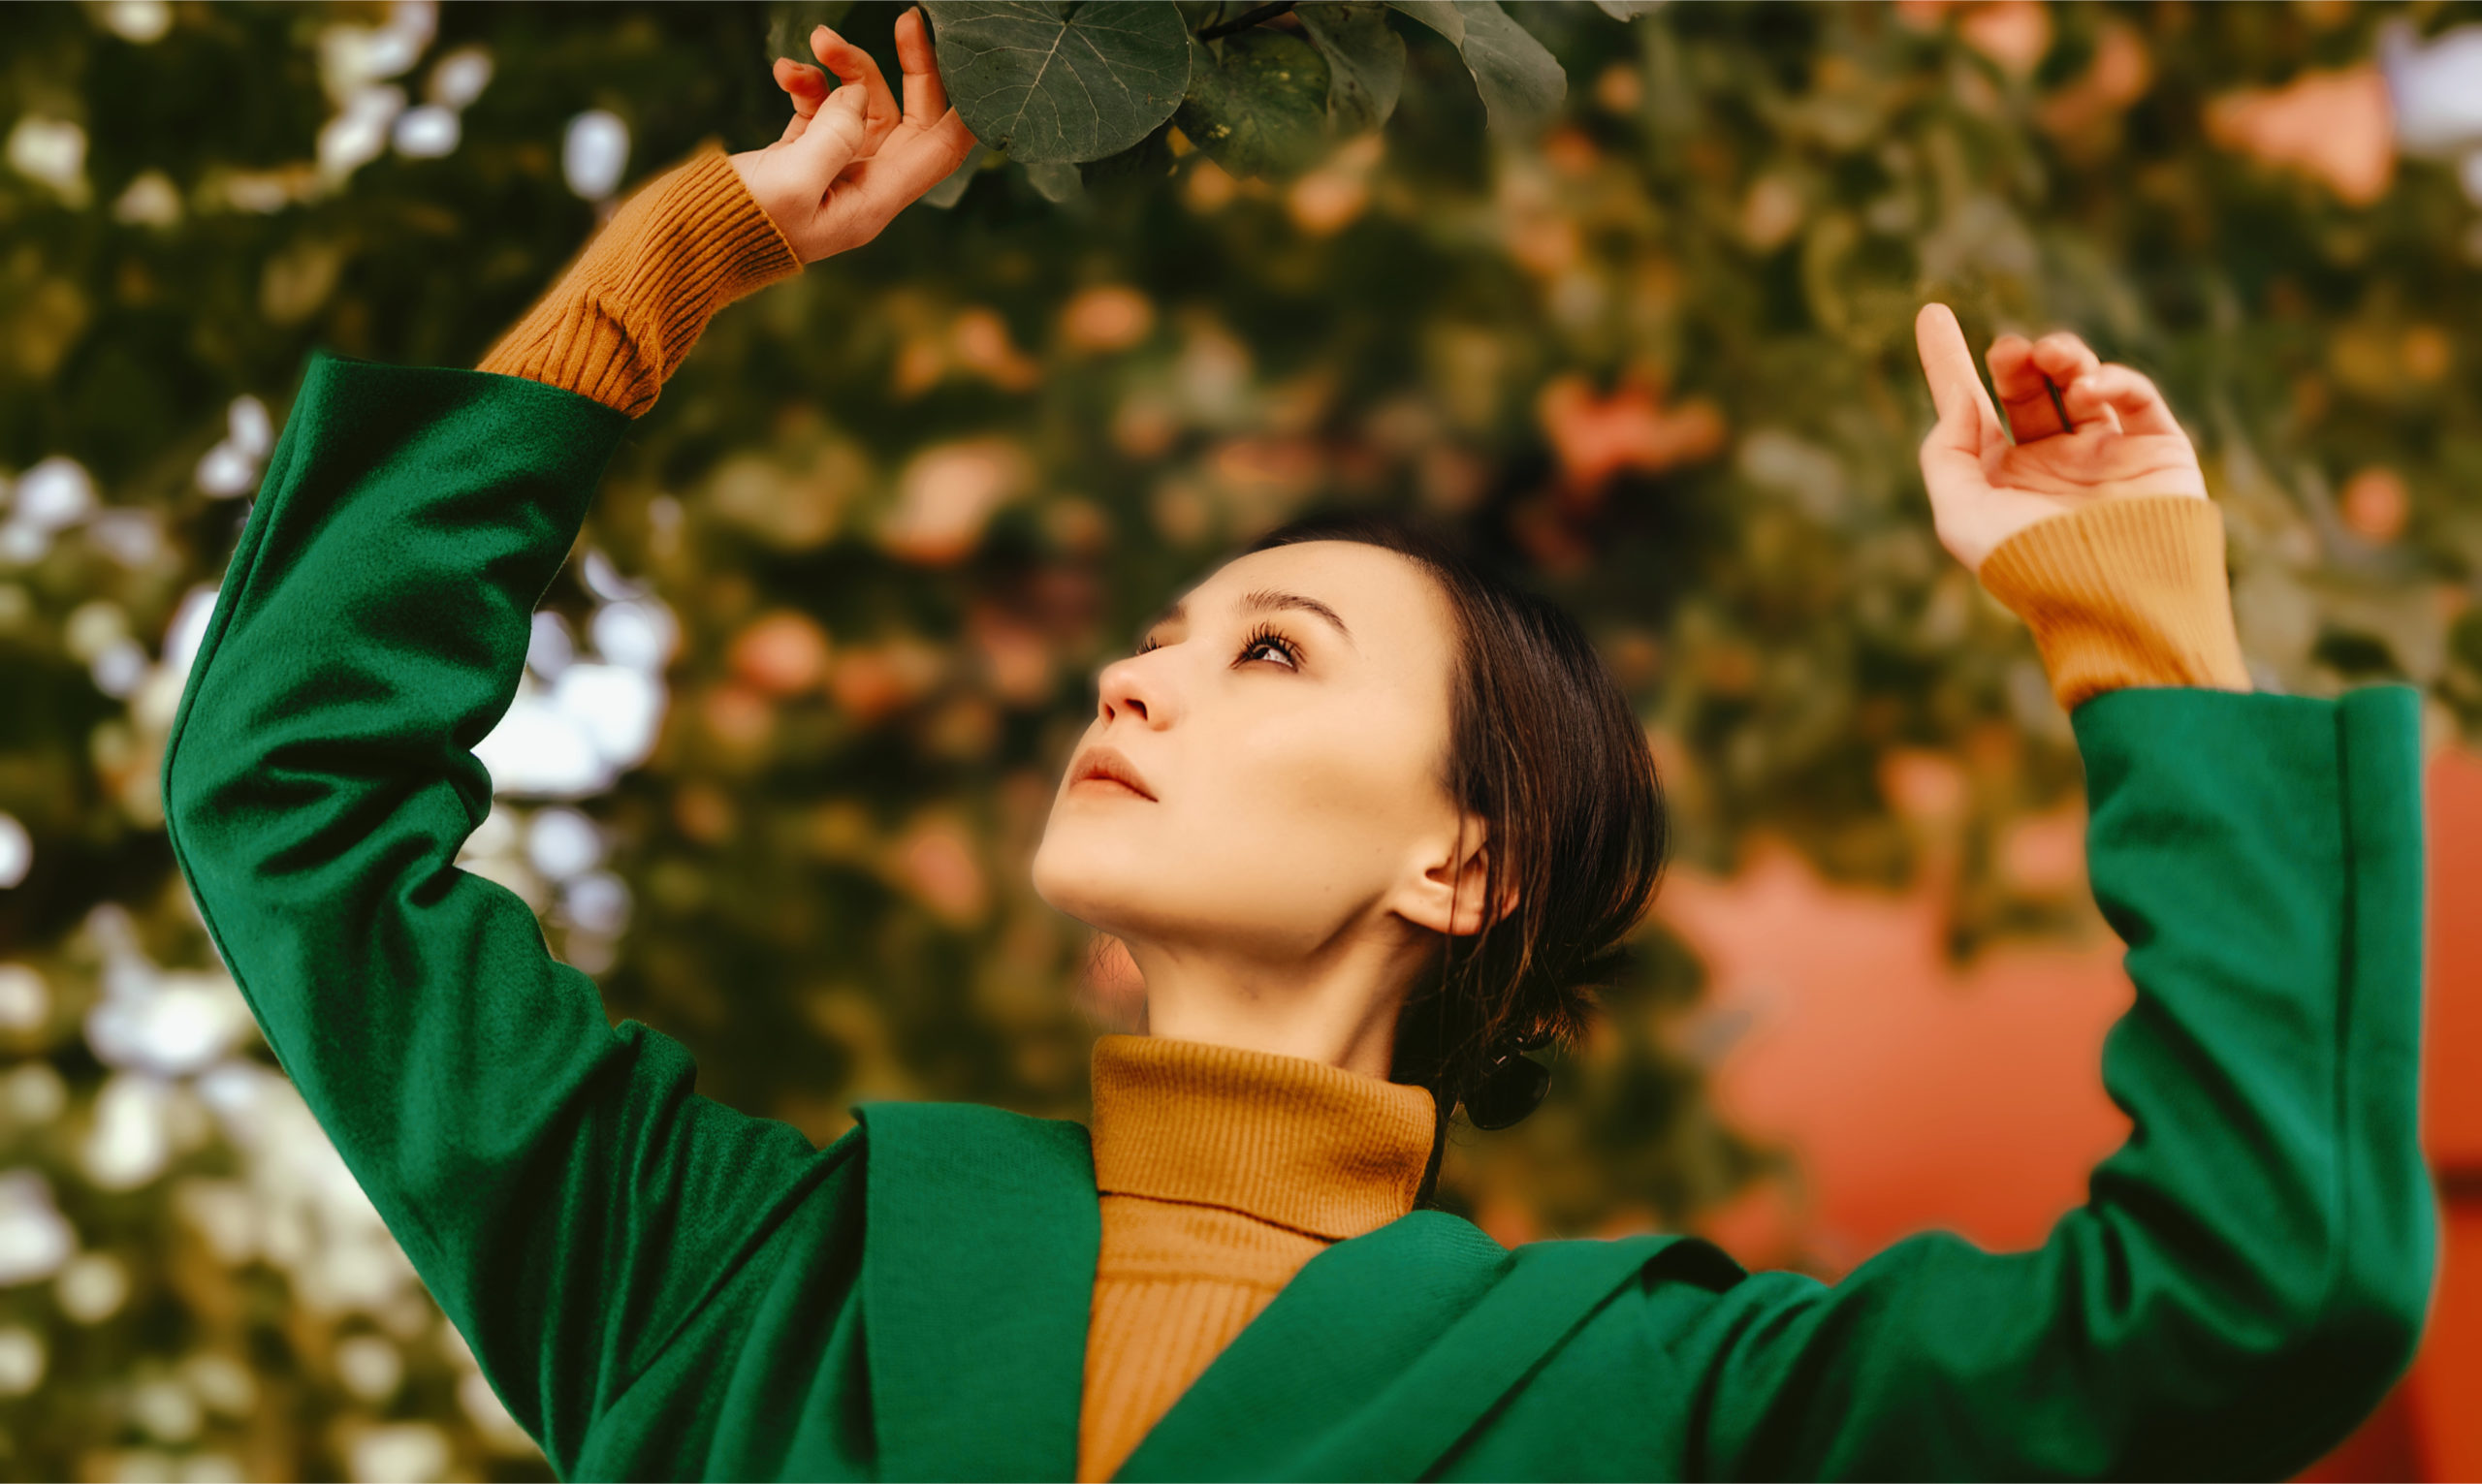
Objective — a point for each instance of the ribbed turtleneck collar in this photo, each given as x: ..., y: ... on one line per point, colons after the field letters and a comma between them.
x: 1285, y: 1139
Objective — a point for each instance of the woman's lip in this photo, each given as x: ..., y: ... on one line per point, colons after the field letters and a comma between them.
x: 1098, y: 781
x: 1101, y: 764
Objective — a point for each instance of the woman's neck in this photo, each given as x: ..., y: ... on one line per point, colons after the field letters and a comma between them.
x: 1340, y: 1009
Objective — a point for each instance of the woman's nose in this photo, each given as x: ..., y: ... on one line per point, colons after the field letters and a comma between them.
x: 1132, y: 688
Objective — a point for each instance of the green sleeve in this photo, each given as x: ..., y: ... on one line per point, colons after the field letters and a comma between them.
x: 556, y: 1181
x: 2249, y: 1271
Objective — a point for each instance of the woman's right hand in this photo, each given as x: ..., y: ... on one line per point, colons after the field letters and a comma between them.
x: 849, y: 162
x: 2119, y: 438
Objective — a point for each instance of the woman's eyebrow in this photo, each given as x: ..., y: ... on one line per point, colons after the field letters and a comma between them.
x: 1267, y: 600
x: 1264, y: 600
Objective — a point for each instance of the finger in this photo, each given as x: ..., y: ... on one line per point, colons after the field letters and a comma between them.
x: 1968, y: 421
x: 2063, y: 358
x: 803, y: 84
x: 856, y: 67
x: 833, y: 140
x: 806, y: 87
x: 2087, y: 409
x: 2128, y: 393
x: 2022, y: 390
x: 926, y: 97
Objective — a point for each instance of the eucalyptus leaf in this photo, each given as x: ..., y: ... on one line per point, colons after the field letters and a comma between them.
x: 1056, y: 84
x: 1520, y: 81
x: 1261, y: 109
x: 951, y: 190
x: 1365, y: 61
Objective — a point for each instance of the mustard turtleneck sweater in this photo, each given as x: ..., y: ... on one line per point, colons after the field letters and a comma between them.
x: 1223, y: 1171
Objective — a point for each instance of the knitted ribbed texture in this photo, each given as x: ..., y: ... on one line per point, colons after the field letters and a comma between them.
x: 1221, y: 1172
x: 2124, y: 592
x: 618, y: 323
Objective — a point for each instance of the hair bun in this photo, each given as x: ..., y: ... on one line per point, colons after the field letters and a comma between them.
x: 1512, y: 1088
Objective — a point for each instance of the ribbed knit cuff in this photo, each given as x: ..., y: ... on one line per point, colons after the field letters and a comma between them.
x: 2124, y: 592
x: 622, y: 317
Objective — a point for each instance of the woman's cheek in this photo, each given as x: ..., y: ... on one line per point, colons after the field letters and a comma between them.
x: 1313, y: 825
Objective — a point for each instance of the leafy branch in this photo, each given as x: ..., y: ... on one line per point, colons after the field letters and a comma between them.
x: 1056, y: 87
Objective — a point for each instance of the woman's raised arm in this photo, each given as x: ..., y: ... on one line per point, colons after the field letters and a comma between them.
x: 558, y: 1186
x: 719, y: 226
x: 2249, y: 1271
x: 562, y: 1188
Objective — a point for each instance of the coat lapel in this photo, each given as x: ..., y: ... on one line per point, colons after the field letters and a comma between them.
x: 1550, y: 1290
x: 1350, y: 1321
x: 981, y: 1229
x: 1383, y: 1352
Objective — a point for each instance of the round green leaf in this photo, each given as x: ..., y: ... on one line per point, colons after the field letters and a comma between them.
x: 1520, y: 81
x: 1261, y: 109
x: 1365, y: 61
x: 1060, y: 83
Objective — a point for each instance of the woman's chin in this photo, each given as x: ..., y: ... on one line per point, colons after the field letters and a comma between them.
x: 1093, y: 860
x: 1071, y: 880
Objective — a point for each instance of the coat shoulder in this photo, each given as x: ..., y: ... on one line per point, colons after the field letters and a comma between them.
x: 1649, y: 1260
x: 945, y: 1133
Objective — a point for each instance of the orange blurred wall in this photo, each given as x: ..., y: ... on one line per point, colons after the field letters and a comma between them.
x: 1917, y: 1094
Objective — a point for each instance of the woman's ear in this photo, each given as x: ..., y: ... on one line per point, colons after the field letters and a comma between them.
x: 1447, y: 899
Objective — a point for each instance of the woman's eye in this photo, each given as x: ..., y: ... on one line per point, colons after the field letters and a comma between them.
x: 1274, y: 648
x: 1146, y: 644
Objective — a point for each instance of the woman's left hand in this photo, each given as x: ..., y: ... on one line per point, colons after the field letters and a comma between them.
x: 2119, y: 438
x: 848, y: 160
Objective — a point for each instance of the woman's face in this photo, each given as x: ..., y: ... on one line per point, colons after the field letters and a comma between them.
x: 1284, y: 726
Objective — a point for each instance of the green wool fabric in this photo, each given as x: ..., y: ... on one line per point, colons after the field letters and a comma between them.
x: 661, y: 1287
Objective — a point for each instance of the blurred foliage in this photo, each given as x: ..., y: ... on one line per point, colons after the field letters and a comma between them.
x: 1658, y: 353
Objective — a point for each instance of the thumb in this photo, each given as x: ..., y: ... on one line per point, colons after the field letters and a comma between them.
x: 834, y: 134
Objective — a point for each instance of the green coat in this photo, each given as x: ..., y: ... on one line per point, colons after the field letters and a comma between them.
x: 659, y: 1286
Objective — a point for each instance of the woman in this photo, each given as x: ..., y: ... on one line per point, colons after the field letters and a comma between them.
x: 1366, y: 821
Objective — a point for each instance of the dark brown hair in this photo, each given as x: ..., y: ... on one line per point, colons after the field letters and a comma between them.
x: 1545, y: 747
